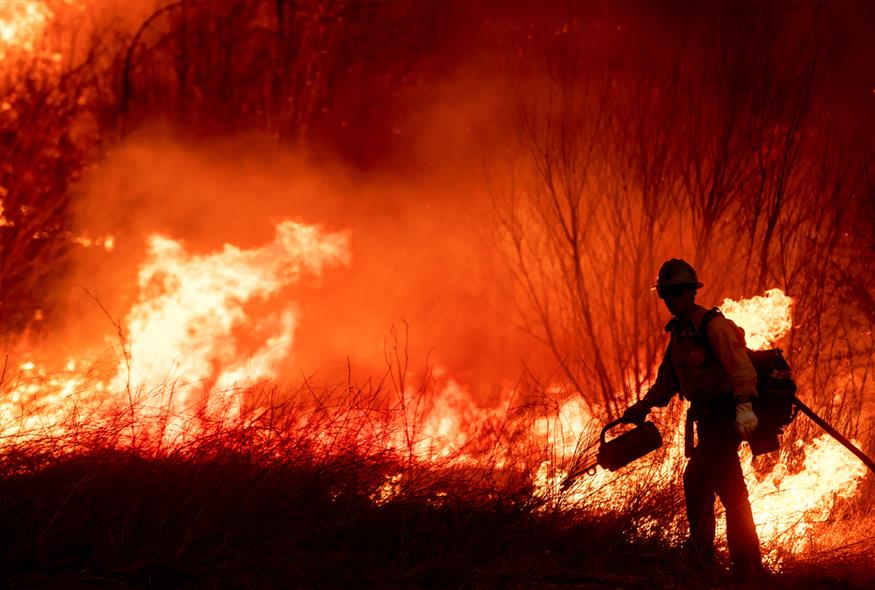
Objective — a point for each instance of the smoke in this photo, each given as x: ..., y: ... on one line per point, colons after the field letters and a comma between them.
x: 421, y: 266
x: 417, y: 216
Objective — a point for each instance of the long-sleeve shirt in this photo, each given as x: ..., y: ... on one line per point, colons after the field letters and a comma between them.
x: 703, y: 373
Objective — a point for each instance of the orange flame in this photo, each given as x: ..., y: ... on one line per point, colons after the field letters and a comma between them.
x: 21, y: 24
x: 180, y: 354
x: 788, y: 506
x: 765, y: 319
x: 106, y: 242
x: 180, y: 332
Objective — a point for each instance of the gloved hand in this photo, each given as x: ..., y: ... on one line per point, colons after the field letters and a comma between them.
x: 745, y: 420
x: 636, y: 413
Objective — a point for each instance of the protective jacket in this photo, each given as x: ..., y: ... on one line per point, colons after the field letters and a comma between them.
x: 703, y: 373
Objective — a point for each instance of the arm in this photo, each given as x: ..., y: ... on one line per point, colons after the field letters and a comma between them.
x: 659, y: 394
x: 664, y: 387
x: 727, y: 342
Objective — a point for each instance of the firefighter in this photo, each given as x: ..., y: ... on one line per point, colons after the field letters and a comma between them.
x: 719, y: 381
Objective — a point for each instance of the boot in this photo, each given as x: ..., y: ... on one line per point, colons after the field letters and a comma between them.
x: 702, y: 566
x: 747, y: 571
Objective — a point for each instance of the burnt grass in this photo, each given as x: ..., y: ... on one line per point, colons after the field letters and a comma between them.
x: 222, y: 518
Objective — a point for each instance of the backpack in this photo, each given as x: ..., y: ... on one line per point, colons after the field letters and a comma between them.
x: 775, y: 404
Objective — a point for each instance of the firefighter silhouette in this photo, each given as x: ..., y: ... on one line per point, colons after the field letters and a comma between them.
x: 711, y: 371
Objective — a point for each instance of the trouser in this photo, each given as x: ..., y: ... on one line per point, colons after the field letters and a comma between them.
x: 714, y: 470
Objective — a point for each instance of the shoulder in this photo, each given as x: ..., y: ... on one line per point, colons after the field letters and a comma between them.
x: 720, y: 325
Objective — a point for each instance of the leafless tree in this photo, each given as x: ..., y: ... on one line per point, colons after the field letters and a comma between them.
x: 44, y: 143
x: 584, y: 220
x: 718, y: 154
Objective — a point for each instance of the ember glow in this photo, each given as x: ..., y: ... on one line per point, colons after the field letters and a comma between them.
x: 105, y: 242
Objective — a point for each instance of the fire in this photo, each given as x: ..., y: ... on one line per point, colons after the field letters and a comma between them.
x: 106, y: 242
x: 21, y: 24
x: 180, y: 355
x: 765, y: 319
x: 4, y: 222
x: 181, y: 331
x: 41, y: 402
x: 788, y: 506
x: 190, y: 346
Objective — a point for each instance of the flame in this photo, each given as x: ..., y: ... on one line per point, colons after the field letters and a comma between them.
x: 4, y: 221
x: 106, y: 242
x: 181, y: 331
x: 190, y: 346
x: 22, y: 22
x: 180, y: 355
x: 765, y: 319
x: 788, y: 506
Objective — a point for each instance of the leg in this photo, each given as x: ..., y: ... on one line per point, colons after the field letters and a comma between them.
x: 741, y: 533
x: 699, y: 494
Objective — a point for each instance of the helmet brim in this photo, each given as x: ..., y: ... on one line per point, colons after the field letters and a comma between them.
x: 696, y: 284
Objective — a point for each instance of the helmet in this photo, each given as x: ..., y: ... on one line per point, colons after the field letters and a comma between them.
x: 677, y: 272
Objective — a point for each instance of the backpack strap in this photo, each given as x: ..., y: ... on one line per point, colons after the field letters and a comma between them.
x: 696, y: 411
x: 701, y: 337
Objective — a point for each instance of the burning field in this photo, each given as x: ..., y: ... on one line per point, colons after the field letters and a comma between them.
x: 338, y: 294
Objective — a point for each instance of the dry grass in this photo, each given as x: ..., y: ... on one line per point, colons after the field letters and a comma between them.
x: 273, y: 501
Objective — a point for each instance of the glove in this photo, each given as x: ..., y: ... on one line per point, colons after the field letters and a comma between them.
x: 636, y: 413
x: 745, y: 420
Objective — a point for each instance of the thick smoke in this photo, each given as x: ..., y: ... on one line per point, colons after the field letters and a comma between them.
x: 421, y: 265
